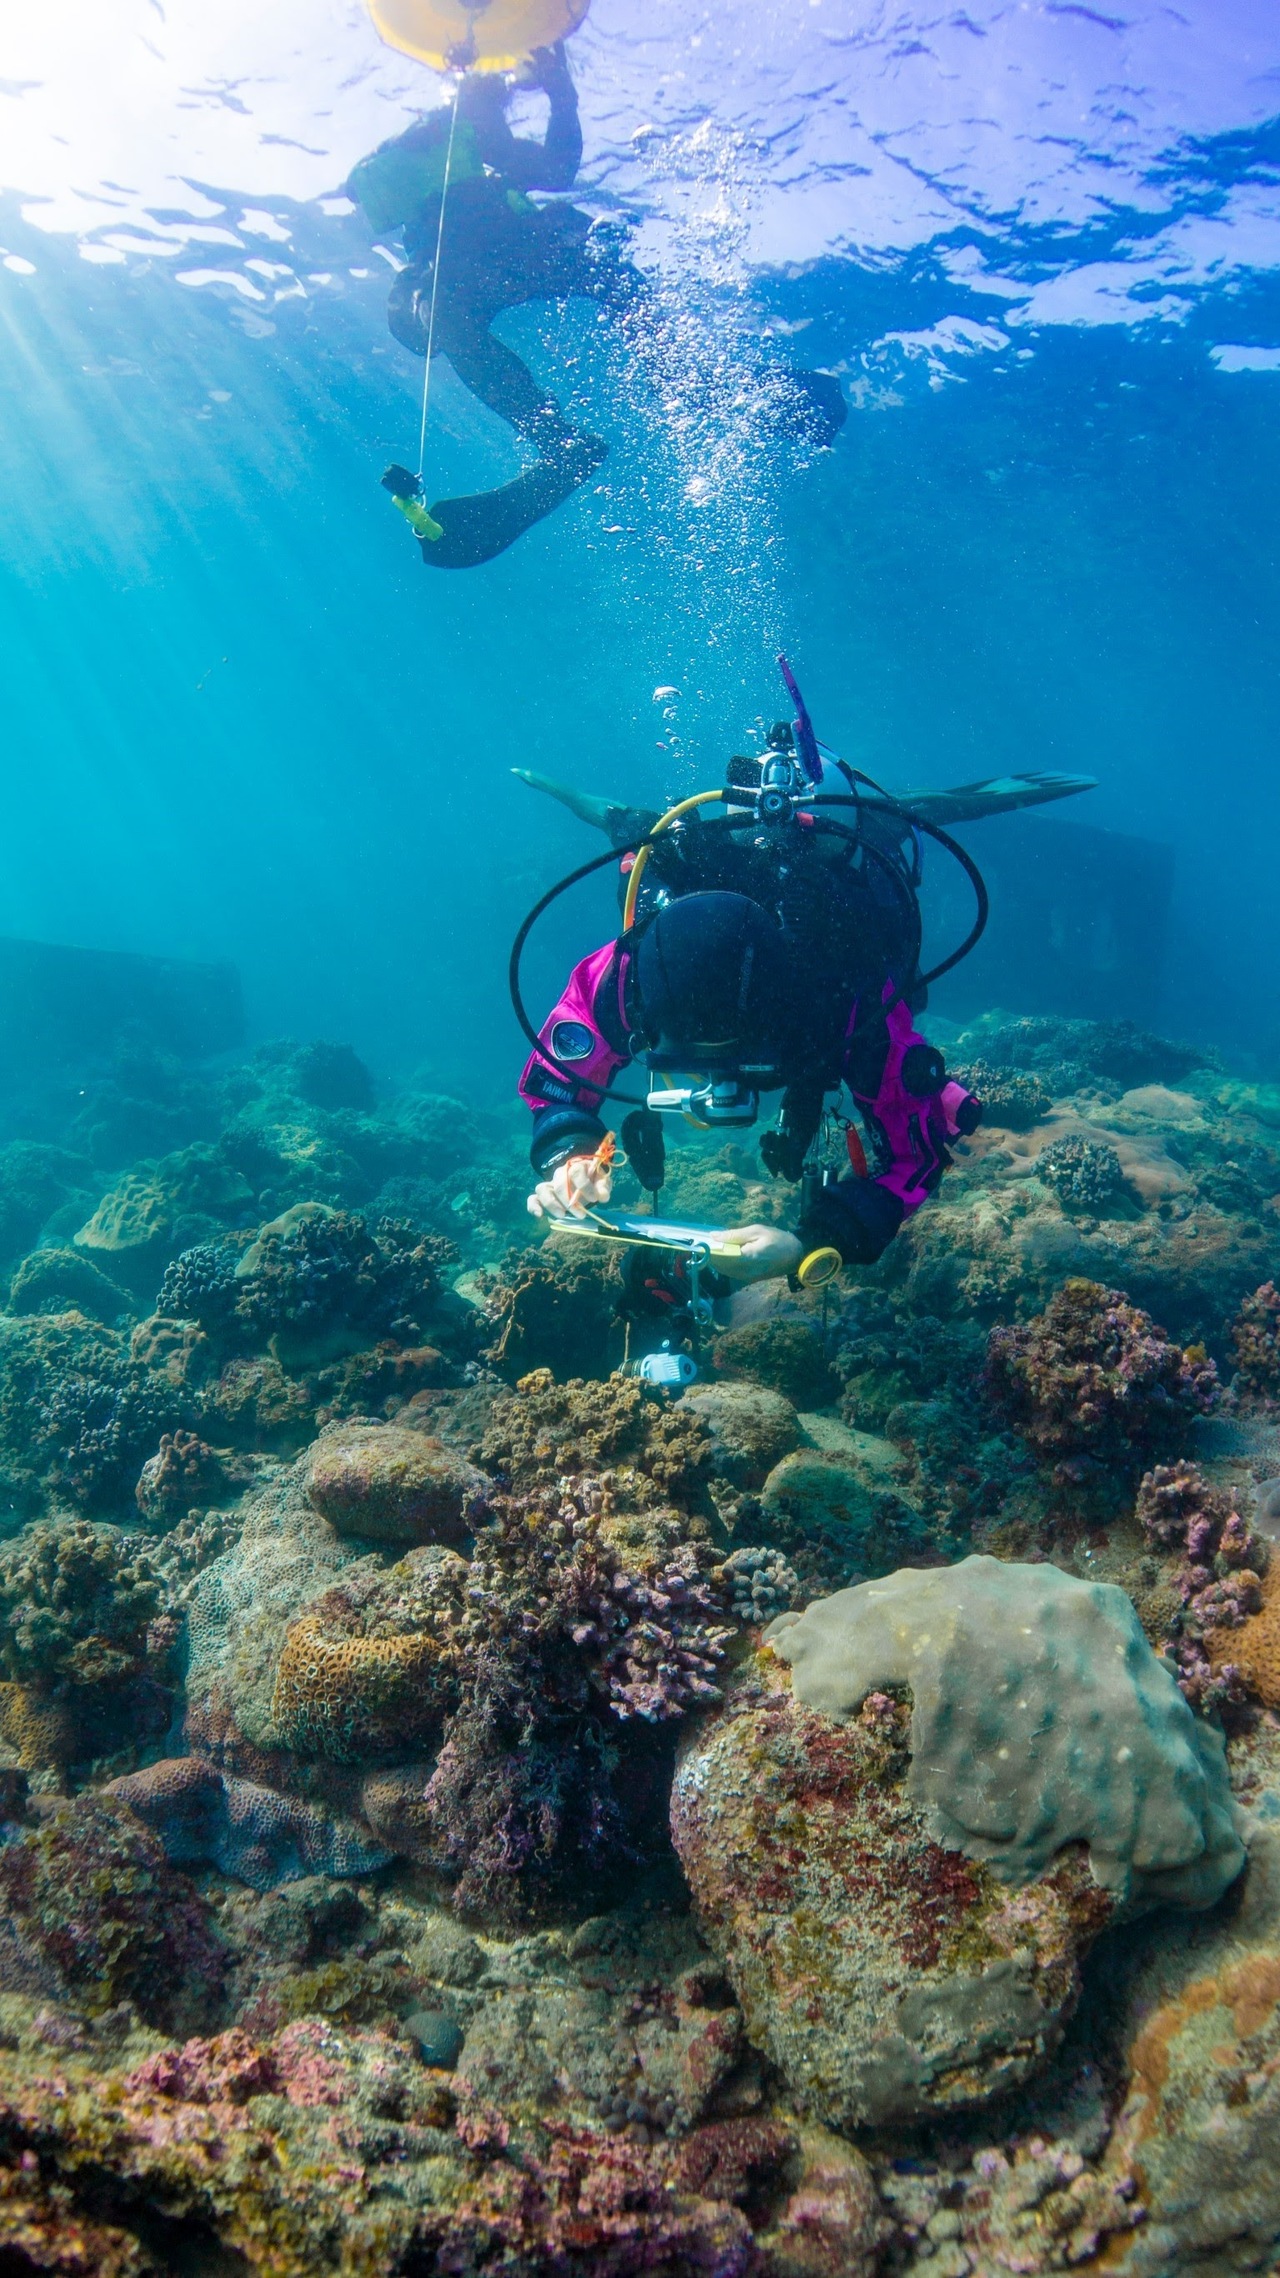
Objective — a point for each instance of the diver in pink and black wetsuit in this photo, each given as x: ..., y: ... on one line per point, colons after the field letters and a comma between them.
x: 760, y: 961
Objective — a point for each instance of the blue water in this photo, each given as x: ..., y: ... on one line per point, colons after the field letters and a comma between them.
x: 1041, y: 247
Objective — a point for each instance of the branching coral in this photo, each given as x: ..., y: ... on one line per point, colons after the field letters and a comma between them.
x: 548, y: 1431
x: 73, y: 1606
x: 1083, y: 1173
x: 1255, y: 1338
x: 182, y: 1475
x: 1011, y: 1098
x: 1093, y: 1376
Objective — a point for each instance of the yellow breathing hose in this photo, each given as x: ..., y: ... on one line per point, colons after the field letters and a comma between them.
x: 672, y: 815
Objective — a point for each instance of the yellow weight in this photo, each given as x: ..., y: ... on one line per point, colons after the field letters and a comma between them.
x: 818, y: 1268
x: 475, y: 35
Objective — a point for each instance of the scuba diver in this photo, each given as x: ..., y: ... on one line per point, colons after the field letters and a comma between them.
x: 774, y: 949
x: 497, y: 251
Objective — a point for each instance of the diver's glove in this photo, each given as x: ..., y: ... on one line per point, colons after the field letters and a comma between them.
x: 579, y: 1184
x: 857, y: 1217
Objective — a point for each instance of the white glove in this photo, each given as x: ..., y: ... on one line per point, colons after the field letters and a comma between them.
x: 766, y: 1253
x: 572, y: 1186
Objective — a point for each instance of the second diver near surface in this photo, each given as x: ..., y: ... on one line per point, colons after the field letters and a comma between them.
x: 498, y: 250
x: 776, y: 955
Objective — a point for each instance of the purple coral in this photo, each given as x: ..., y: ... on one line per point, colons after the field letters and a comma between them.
x: 567, y: 1654
x: 1092, y: 1376
x: 1217, y: 1577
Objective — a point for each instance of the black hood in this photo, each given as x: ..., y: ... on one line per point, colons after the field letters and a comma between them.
x: 714, y: 984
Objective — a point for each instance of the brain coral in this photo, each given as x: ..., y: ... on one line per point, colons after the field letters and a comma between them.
x: 201, y: 1816
x: 1041, y: 1717
x: 365, y: 1671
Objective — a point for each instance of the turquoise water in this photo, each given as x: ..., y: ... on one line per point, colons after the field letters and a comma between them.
x: 242, y: 722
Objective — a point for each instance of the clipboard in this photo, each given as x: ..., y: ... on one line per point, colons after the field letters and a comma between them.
x: 649, y: 1233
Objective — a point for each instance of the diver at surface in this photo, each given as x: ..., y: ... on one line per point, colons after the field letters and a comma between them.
x: 764, y: 960
x: 499, y: 250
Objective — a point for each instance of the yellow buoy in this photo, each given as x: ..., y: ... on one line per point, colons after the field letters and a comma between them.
x: 475, y: 35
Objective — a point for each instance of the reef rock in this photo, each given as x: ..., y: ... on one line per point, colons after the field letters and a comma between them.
x: 751, y: 1429
x: 902, y: 1904
x: 391, y: 1485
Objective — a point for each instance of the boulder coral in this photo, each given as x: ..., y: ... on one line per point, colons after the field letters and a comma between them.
x: 1040, y: 1718
x: 391, y: 1485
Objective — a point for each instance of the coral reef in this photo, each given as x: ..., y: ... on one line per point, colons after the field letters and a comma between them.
x: 95, y: 1916
x: 784, y: 1356
x: 1255, y: 1342
x: 1093, y: 1376
x: 1082, y: 1173
x: 64, y: 1281
x: 437, y: 1634
x: 751, y: 1429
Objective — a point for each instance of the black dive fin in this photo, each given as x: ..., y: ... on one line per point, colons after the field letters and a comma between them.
x: 1000, y: 795
x: 479, y: 528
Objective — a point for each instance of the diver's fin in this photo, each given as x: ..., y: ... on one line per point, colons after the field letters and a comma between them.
x: 624, y: 827
x: 1000, y: 795
x: 476, y: 529
x: 583, y: 804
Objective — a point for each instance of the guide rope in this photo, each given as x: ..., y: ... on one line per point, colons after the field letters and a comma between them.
x: 435, y: 283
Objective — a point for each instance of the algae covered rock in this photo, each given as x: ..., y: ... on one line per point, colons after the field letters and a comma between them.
x: 820, y: 1498
x: 786, y: 1356
x: 63, y: 1281
x: 391, y: 1485
x: 902, y: 1900
x: 751, y: 1429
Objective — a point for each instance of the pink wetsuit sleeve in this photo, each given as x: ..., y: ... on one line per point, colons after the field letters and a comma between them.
x: 579, y: 1060
x: 917, y: 1131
